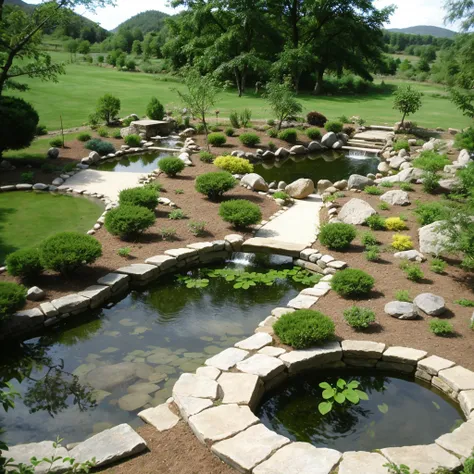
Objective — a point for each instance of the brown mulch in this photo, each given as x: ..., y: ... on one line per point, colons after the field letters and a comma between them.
x: 176, y: 451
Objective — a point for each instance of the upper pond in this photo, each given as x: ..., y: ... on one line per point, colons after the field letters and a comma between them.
x: 143, y: 163
x: 399, y: 412
x: 131, y: 353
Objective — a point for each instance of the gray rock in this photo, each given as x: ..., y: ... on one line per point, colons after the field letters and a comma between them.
x: 430, y: 304
x: 300, y: 189
x: 227, y: 358
x: 298, y: 150
x: 338, y: 145
x: 329, y: 139
x: 263, y: 366
x: 383, y: 167
x: 323, y: 184
x: 356, y: 211
x: 53, y: 153
x: 464, y: 158
x: 35, y: 294
x: 268, y: 155
x: 70, y: 303
x: 282, y: 152
x: 94, y: 157
x: 357, y: 181
x: 140, y: 271
x: 412, y: 255
x: 242, y: 389
x: 161, y: 417
x: 22, y: 454
x: 97, y: 294
x: 255, y: 342
x: 40, y: 187
x: 255, y: 182
x: 24, y: 187
x: 396, y: 197
x: 315, y: 146
x: 340, y: 185
x: 403, y: 355
x: 117, y: 281
x: 362, y: 349
x: 433, y: 240
x: 190, y: 385
x: 361, y: 462
x: 108, y: 377
x: 449, y: 185
x: 58, y: 182
x: 401, y: 310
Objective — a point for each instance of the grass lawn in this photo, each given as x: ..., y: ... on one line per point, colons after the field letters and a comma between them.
x: 75, y: 96
x: 27, y: 218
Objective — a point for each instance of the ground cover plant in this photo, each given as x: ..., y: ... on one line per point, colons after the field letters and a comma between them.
x: 375, y: 222
x: 412, y: 270
x: 359, y: 318
x: 440, y: 327
x: 337, y: 236
x: 431, y: 161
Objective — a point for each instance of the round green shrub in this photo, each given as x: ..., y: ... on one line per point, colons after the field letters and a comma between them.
x: 272, y: 132
x: 240, y: 212
x: 84, y: 137
x: 171, y: 166
x: 215, y: 184
x: 229, y: 131
x: 249, y: 139
x: 337, y: 236
x: 143, y: 197
x: 24, y: 263
x: 304, y: 328
x: 352, y: 283
x: 359, y: 318
x: 132, y: 140
x: 155, y: 109
x: 101, y: 147
x: 127, y: 221
x: 233, y: 164
x: 289, y: 135
x: 103, y: 132
x: 206, y: 157
x: 56, y: 142
x: 67, y: 251
x: 375, y: 222
x: 216, y: 139
x: 41, y: 130
x: 313, y: 133
x: 12, y: 298
x: 334, y: 126
x: 442, y: 328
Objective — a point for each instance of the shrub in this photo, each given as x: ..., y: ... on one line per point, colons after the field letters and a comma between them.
x: 101, y: 147
x: 437, y: 265
x: 206, y: 157
x: 403, y: 295
x: 359, y: 318
x: 465, y: 302
x: 27, y: 177
x: 216, y: 139
x: 401, y: 145
x: 215, y: 184
x: 289, y: 135
x: 375, y: 222
x: 124, y: 252
x: 373, y: 190
x: 372, y: 253
x: 333, y: 126
x: 430, y: 212
x: 176, y: 214
x: 197, y: 228
x: 143, y: 197
x: 313, y: 133
x: 465, y: 139
x: 271, y: 122
x: 229, y: 131
x: 245, y: 117
x: 386, y: 184
x: 431, y: 161
x: 116, y: 133
x: 249, y: 139
x: 281, y: 195
x: 200, y: 128
x: 394, y: 223
x: 368, y: 239
x: 234, y: 119
x: 155, y: 109
x: 171, y: 166
x: 84, y: 137
x: 132, y: 140
x: 349, y: 131
x: 108, y: 107
x: 56, y: 142
x: 240, y: 212
x: 384, y: 206
x: 272, y: 132
x: 157, y: 187
x: 24, y: 263
x: 272, y: 146
x: 402, y: 242
x: 412, y: 271
x: 41, y: 130
x: 47, y: 168
x: 103, y: 132
x: 430, y: 182
x: 233, y: 164
x: 168, y: 233
x: 343, y: 118
x: 316, y: 119
x: 441, y: 328
x: 12, y: 298
x: 337, y: 236
x: 352, y: 283
x: 67, y: 251
x: 406, y: 187
x: 127, y: 221
x: 304, y: 328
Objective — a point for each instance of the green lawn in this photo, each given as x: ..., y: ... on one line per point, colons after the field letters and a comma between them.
x: 75, y: 96
x: 27, y: 218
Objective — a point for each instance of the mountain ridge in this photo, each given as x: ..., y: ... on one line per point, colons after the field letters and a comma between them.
x: 147, y: 21
x: 425, y: 30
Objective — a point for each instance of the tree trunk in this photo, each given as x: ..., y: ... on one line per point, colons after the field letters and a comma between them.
x: 318, y: 86
x: 403, y: 119
x: 238, y: 81
x: 205, y: 132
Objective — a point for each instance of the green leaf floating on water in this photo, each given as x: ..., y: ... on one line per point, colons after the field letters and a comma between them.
x: 383, y: 408
x: 328, y: 393
x: 340, y: 398
x: 436, y: 405
x: 325, y: 407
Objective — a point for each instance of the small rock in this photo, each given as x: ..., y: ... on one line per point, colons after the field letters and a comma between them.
x: 255, y: 182
x: 396, y: 197
x: 356, y: 211
x: 430, y: 304
x: 35, y: 294
x: 53, y: 153
x: 412, y: 255
x: 401, y: 310
x: 322, y: 185
x: 300, y: 189
x: 357, y: 181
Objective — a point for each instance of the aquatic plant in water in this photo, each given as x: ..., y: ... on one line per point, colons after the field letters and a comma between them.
x: 342, y: 393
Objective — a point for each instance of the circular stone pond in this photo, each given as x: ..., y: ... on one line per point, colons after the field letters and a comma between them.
x: 128, y: 355
x: 399, y: 412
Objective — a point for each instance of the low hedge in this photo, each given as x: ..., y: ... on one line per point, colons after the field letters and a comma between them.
x: 352, y: 283
x: 216, y: 139
x: 240, y: 212
x: 101, y: 147
x: 249, y: 139
x: 337, y: 236
x: 334, y: 126
x: 313, y: 133
x: 127, y: 221
x: 215, y: 184
x: 143, y: 197
x: 12, y: 298
x: 24, y: 263
x: 233, y: 164
x: 171, y: 166
x: 289, y: 135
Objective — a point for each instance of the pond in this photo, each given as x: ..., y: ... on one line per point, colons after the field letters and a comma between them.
x: 399, y: 412
x: 329, y: 165
x: 132, y: 352
x: 143, y: 163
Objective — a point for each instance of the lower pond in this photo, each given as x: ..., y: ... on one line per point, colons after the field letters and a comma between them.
x: 127, y: 356
x: 399, y: 412
x: 143, y: 163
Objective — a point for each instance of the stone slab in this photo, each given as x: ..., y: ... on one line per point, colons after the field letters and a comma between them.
x: 221, y: 422
x: 227, y: 358
x: 255, y: 342
x: 303, y: 301
x: 97, y: 294
x: 69, y: 303
x: 299, y: 360
x: 161, y: 417
x: 249, y: 448
x: 140, y: 271
x: 182, y: 253
x: 209, y: 372
x: 460, y: 441
x: 395, y: 366
x: 300, y: 458
x: 466, y: 401
x: 189, y: 406
x: 315, y: 292
x: 268, y: 245
x: 109, y: 446
x: 191, y: 385
x: 458, y: 378
x: 403, y: 355
x: 362, y: 349
x: 443, y: 386
x: 279, y: 312
x: 241, y: 389
x: 272, y: 351
x: 163, y: 262
x: 116, y: 281
x: 433, y: 364
x: 362, y: 462
x: 265, y: 367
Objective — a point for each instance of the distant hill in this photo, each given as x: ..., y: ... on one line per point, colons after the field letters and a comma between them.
x: 425, y: 30
x: 19, y: 3
x: 151, y: 20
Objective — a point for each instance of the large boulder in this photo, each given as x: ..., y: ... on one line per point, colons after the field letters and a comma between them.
x: 357, y: 181
x: 356, y: 211
x: 323, y: 184
x: 315, y: 146
x: 329, y: 139
x: 396, y: 162
x: 432, y: 238
x: 298, y: 150
x: 53, y: 153
x: 396, y: 197
x: 383, y: 167
x: 300, y: 189
x: 430, y: 304
x: 449, y: 185
x: 94, y: 157
x: 340, y: 185
x: 282, y: 152
x: 255, y: 182
x: 412, y: 255
x: 464, y: 158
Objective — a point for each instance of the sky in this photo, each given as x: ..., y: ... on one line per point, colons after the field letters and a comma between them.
x: 408, y: 13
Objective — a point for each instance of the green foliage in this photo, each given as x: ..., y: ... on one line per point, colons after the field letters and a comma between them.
x: 108, y: 107
x: 67, y: 251
x: 337, y: 236
x: 245, y: 117
x: 401, y: 145
x: 206, y: 157
x: 352, y: 283
x: 27, y: 177
x: 289, y: 135
x: 272, y: 132
x: 116, y: 133
x: 465, y: 302
x: 372, y: 253
x: 402, y: 242
x: 179, y: 191
x: 386, y: 184
x: 272, y: 146
x: 249, y: 139
x: 359, y: 318
x: 171, y: 166
x: 431, y: 161
x: 333, y: 126
x: 234, y: 119
x: 313, y: 133
x: 216, y: 139
x: 373, y: 190
x: 240, y: 212
x: 403, y: 295
x: 197, y: 228
x: 395, y: 223
x: 399, y: 469
x: 343, y: 393
x: 41, y: 130
x: 229, y: 131
x: 375, y: 222
x: 155, y: 109
x: 406, y: 187
x: 101, y: 147
x: 84, y: 137
x: 24, y: 263
x: 412, y: 271
x: 56, y: 142
x: 128, y: 221
x: 469, y: 464
x: 281, y: 98
x: 103, y: 132
x: 430, y: 182
x: 438, y: 266
x: 124, y: 252
x: 317, y: 119
x: 176, y: 214
x: 407, y: 100
x: 168, y: 233
x: 233, y: 164
x: 12, y: 298
x: 157, y: 187
x: 465, y: 140
x: 142, y: 196
x: 132, y: 140
x: 384, y: 206
x: 440, y: 327
x: 368, y: 239
x: 47, y: 168
x: 304, y: 328
x: 215, y: 184
x: 281, y: 195
x: 430, y: 212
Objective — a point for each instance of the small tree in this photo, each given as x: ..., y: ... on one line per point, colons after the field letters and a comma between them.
x: 72, y: 46
x: 155, y: 109
x: 282, y: 100
x: 407, y: 101
x: 200, y: 96
x: 137, y: 48
x: 108, y: 107
x: 84, y: 47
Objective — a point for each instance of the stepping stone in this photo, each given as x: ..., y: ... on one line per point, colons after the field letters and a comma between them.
x: 303, y: 301
x: 401, y: 310
x: 458, y: 378
x: 403, y: 355
x: 272, y: 351
x: 460, y: 441
x: 249, y: 448
x: 242, y: 389
x: 361, y: 462
x: 209, y: 372
x: 189, y: 406
x: 163, y: 262
x: 430, y: 304
x: 161, y: 417
x: 466, y: 400
x: 300, y: 458
x: 433, y: 364
x: 70, y: 303
x: 315, y: 292
x: 363, y: 349
x: 264, y: 366
x: 227, y: 358
x: 109, y: 446
x: 140, y: 271
x: 425, y: 459
x: 221, y: 422
x: 190, y: 385
x: 255, y: 342
x: 22, y: 453
x: 117, y: 281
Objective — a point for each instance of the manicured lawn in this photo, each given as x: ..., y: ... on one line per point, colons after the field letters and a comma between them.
x: 27, y: 218
x: 75, y: 96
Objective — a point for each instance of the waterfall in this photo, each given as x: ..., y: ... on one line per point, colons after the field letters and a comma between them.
x: 251, y: 260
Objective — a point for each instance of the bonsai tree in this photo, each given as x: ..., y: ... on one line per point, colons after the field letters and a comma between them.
x: 108, y: 107
x: 407, y: 101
